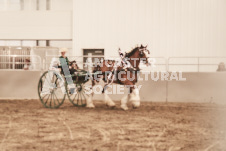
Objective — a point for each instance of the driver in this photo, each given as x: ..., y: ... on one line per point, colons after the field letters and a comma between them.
x: 64, y: 59
x: 73, y: 67
x: 63, y: 52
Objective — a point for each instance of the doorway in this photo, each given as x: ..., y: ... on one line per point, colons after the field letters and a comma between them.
x: 92, y: 56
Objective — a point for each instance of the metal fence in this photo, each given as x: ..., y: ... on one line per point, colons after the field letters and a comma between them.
x: 8, y: 56
x: 85, y: 62
x: 183, y: 64
x: 194, y: 64
x: 19, y: 61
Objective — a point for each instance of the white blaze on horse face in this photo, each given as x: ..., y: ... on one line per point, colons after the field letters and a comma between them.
x: 146, y: 53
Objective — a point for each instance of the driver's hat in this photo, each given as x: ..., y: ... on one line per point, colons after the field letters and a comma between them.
x: 63, y: 50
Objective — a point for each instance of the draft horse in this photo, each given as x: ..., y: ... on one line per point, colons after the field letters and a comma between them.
x: 127, y: 77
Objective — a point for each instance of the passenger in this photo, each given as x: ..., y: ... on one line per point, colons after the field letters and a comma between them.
x: 73, y: 67
x: 221, y: 67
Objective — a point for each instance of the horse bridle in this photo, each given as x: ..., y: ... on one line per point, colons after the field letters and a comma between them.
x: 142, y: 50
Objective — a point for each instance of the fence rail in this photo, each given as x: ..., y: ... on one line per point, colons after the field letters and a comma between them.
x: 184, y: 64
x: 18, y: 61
x: 202, y: 64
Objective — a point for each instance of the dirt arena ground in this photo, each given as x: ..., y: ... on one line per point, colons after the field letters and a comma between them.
x: 27, y: 125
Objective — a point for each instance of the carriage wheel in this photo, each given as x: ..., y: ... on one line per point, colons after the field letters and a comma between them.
x: 79, y: 94
x: 51, y: 89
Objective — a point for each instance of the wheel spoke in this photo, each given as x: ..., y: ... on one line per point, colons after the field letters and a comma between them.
x: 48, y: 89
x: 44, y: 96
x: 47, y: 100
x: 46, y: 78
x: 75, y: 95
x: 56, y: 98
x: 58, y: 84
x: 49, y: 77
x: 51, y: 101
x: 54, y: 103
x: 83, y: 96
x: 78, y: 97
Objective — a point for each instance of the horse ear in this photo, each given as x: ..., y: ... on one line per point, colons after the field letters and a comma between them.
x: 146, y: 46
x: 141, y: 46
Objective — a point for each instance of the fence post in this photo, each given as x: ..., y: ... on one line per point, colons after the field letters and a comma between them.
x: 167, y: 70
x: 13, y: 62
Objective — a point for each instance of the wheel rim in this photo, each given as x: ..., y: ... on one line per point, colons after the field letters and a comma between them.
x: 50, y: 89
x: 80, y: 94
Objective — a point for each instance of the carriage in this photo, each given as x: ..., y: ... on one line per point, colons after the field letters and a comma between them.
x: 53, y: 88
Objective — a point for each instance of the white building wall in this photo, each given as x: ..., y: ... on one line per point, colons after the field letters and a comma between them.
x: 28, y: 21
x: 36, y: 25
x: 169, y: 27
x: 61, y: 5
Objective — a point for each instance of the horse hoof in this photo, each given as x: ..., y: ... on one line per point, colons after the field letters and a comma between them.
x: 134, y: 107
x: 125, y: 108
x: 90, y: 106
x: 110, y: 106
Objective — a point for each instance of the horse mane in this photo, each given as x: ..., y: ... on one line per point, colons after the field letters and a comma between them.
x: 129, y: 54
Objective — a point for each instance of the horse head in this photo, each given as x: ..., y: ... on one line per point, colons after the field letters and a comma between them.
x: 139, y: 54
x: 144, y: 54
